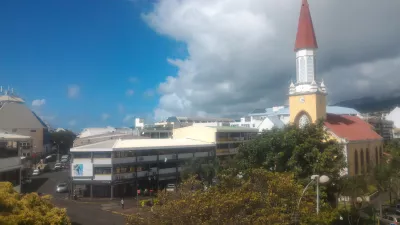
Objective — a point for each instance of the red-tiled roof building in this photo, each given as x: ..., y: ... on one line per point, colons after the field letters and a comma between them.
x: 362, y: 146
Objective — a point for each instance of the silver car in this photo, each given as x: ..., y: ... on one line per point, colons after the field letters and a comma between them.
x: 62, y: 187
x: 389, y: 219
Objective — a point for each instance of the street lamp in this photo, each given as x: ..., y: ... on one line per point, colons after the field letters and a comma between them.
x: 319, y: 179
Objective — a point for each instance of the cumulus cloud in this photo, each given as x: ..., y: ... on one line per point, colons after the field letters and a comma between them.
x: 38, y: 102
x: 73, y: 91
x: 129, y: 92
x: 105, y: 116
x: 240, y: 53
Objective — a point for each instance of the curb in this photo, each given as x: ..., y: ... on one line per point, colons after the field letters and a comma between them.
x: 115, y: 212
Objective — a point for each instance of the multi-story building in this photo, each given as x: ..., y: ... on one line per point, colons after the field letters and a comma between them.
x: 95, y: 135
x: 278, y: 117
x: 17, y: 118
x: 117, y: 168
x: 227, y: 139
x: 181, y: 121
x: 11, y: 146
x: 383, y: 127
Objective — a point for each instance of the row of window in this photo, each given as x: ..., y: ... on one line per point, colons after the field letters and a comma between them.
x: 130, y: 169
x: 360, y: 158
x: 126, y: 154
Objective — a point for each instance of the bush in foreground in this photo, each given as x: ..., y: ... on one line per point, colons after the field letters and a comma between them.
x: 29, y: 209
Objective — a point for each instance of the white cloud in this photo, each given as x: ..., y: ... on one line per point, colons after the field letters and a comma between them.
x: 129, y: 92
x: 72, y: 123
x: 240, y: 53
x: 105, y: 116
x: 129, y: 119
x: 38, y: 102
x: 73, y: 91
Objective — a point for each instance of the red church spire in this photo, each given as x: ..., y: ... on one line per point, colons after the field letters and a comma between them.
x: 305, y: 37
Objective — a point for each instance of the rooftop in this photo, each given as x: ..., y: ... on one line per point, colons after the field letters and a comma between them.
x: 351, y: 128
x: 234, y: 129
x: 100, y: 146
x: 139, y: 144
x: 8, y: 136
x: 305, y: 37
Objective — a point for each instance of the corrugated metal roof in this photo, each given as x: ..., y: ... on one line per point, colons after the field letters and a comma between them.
x: 351, y: 128
x: 16, y: 115
x: 276, y: 121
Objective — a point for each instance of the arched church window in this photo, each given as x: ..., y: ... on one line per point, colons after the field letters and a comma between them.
x: 367, y: 158
x: 362, y: 161
x: 297, y: 70
x: 355, y: 162
x: 303, y: 121
x: 380, y: 153
x: 376, y: 156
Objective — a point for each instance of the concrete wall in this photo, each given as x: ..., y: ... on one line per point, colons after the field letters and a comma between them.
x: 37, y: 137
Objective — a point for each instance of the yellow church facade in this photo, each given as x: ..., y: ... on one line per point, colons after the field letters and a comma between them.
x: 362, y: 146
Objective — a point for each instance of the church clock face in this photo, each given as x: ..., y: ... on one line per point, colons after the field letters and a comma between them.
x: 303, y: 121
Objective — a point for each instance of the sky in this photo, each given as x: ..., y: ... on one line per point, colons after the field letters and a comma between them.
x: 92, y: 63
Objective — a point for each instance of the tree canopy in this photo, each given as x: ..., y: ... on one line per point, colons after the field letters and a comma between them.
x: 259, y: 197
x: 64, y: 139
x: 303, y: 151
x: 29, y: 209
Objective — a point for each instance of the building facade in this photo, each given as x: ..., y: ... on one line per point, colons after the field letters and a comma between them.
x: 17, y: 118
x: 227, y: 139
x: 118, y: 168
x: 11, y: 166
x: 362, y: 146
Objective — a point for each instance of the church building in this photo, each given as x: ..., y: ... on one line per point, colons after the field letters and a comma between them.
x: 363, y: 147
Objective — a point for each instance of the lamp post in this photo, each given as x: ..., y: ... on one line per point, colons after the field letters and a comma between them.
x: 319, y: 179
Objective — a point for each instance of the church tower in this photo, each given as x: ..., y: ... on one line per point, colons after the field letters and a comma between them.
x: 307, y: 98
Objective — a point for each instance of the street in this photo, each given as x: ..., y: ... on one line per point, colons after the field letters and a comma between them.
x: 80, y: 213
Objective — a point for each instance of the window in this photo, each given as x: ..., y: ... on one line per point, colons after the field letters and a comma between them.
x: 355, y: 162
x: 102, y: 170
x: 82, y: 155
x: 376, y: 156
x: 14, y: 130
x: 33, y: 131
x: 367, y: 158
x: 102, y: 155
x: 362, y: 161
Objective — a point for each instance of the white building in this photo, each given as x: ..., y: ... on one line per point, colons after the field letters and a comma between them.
x: 10, y: 158
x: 278, y: 117
x: 117, y: 168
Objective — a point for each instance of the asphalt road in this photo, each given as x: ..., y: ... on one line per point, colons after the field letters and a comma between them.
x: 79, y: 213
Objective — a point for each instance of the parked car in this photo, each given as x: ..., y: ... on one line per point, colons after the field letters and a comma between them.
x: 26, y: 180
x: 57, y: 166
x: 62, y: 187
x: 389, y: 219
x: 36, y: 172
x: 170, y: 188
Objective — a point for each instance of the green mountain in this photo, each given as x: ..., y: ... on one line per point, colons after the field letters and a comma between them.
x: 371, y: 104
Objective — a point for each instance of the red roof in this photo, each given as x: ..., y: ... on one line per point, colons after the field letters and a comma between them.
x: 351, y: 128
x: 305, y: 37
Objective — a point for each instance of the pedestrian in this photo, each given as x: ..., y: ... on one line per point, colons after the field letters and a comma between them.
x: 122, y: 203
